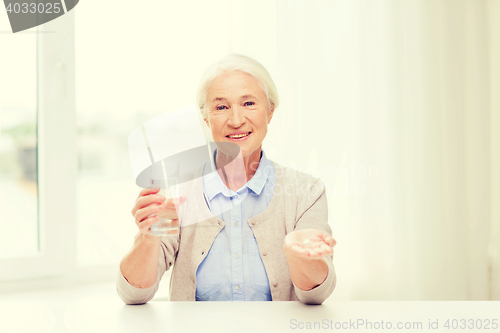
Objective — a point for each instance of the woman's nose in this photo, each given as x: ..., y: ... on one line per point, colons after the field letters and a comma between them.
x: 236, y: 117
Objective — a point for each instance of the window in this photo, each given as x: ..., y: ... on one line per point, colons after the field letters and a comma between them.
x: 18, y: 145
x: 37, y: 141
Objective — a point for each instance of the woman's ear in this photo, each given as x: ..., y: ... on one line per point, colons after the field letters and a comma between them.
x: 205, y: 117
x: 270, y: 115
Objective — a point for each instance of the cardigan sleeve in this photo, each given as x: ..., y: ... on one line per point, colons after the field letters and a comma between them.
x: 312, y: 210
x: 133, y: 295
x: 320, y: 293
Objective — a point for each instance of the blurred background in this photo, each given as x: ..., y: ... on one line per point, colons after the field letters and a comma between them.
x: 393, y: 104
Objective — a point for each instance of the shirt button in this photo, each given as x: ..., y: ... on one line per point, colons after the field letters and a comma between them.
x: 275, y: 284
x: 264, y: 254
x: 238, y: 287
x: 202, y: 253
x: 235, y: 224
x: 236, y: 256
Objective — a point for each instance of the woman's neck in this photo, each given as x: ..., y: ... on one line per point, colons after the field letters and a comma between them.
x: 236, y: 172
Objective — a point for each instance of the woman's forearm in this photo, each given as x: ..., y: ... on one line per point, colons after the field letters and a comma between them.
x: 140, y: 264
x: 307, y: 273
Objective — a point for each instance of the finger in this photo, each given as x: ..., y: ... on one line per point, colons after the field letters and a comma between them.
x: 317, y: 244
x: 314, y: 252
x: 146, y: 224
x: 168, y: 213
x: 326, y: 249
x: 144, y: 201
x: 149, y: 199
x: 320, y: 252
x: 316, y: 238
x: 169, y: 210
x: 143, y: 213
x: 147, y: 191
x: 172, y: 203
x: 324, y: 238
x: 330, y: 241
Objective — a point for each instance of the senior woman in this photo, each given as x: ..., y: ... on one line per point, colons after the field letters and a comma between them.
x: 263, y: 233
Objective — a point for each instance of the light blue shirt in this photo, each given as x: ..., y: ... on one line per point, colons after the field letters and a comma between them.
x: 233, y: 269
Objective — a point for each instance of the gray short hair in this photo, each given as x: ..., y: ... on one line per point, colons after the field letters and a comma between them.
x: 237, y: 62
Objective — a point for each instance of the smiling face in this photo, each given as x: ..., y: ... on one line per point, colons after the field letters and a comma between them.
x: 238, y: 112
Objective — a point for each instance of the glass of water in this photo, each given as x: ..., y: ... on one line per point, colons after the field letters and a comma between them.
x: 166, y: 226
x: 165, y: 175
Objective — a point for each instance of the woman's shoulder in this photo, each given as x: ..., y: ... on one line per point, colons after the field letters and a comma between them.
x: 290, y: 180
x: 292, y: 174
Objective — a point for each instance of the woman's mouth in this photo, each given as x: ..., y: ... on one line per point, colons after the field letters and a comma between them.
x: 238, y: 136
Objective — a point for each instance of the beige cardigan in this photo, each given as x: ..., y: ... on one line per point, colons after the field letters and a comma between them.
x: 298, y: 202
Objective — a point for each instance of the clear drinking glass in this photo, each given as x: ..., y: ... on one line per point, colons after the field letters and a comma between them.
x: 166, y: 226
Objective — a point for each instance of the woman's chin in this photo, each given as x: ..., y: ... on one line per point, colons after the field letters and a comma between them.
x: 234, y: 148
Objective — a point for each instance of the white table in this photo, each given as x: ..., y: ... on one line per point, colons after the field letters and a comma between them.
x: 108, y: 314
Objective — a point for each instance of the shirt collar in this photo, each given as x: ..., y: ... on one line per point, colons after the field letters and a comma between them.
x: 212, y: 181
x: 259, y: 179
x: 214, y: 184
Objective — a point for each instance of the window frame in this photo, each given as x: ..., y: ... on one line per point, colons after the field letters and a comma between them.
x: 56, y: 159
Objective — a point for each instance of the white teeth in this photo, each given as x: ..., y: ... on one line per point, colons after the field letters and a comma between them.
x: 237, y: 136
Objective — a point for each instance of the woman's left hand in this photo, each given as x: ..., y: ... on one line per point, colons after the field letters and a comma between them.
x: 308, y: 244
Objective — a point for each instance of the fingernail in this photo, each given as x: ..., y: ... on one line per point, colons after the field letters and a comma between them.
x: 152, y: 215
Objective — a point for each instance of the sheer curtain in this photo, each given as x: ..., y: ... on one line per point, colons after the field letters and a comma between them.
x: 394, y: 104
x: 421, y: 82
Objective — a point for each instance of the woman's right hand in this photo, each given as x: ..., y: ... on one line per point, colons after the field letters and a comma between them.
x: 149, y: 204
x: 140, y: 265
x: 146, y: 209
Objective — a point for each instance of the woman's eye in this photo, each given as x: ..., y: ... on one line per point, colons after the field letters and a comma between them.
x: 249, y: 103
x: 220, y: 107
